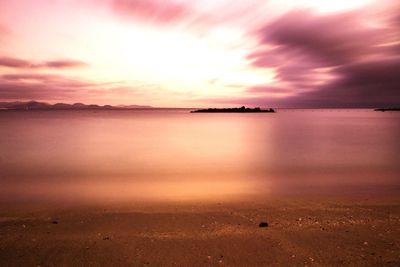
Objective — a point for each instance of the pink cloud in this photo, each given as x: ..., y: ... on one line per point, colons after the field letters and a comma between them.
x: 152, y: 10
x: 11, y: 62
x: 30, y: 86
x: 51, y: 87
x: 64, y: 63
x: 14, y: 63
x: 193, y: 16
x: 49, y: 79
x: 329, y: 59
x: 3, y: 32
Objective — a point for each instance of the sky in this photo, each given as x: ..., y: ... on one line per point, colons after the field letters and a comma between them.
x: 181, y: 53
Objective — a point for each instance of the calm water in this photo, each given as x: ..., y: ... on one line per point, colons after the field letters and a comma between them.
x: 145, y: 155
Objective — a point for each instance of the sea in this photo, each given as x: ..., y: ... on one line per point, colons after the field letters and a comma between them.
x: 174, y: 155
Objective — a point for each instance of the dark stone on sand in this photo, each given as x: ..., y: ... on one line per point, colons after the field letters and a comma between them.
x: 54, y: 222
x: 106, y: 238
x: 263, y: 224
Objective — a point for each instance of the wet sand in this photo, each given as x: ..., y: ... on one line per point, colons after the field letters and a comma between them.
x: 314, y: 231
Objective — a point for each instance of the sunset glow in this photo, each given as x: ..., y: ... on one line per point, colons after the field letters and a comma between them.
x: 199, y: 133
x: 199, y: 53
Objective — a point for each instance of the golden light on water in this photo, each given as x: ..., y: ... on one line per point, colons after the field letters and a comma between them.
x: 155, y: 155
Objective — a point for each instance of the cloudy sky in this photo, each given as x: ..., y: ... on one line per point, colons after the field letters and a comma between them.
x: 181, y: 53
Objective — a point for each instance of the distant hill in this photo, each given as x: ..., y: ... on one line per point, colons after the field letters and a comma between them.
x: 133, y: 106
x: 34, y: 105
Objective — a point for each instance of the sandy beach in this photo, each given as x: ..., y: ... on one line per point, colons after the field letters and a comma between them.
x: 314, y: 231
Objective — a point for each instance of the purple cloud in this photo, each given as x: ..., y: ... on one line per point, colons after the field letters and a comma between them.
x: 329, y: 60
x: 329, y: 40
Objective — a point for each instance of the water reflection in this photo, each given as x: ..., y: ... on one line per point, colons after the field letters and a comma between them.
x: 177, y: 155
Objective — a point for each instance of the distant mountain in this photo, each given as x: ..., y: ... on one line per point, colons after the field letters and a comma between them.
x: 133, y: 106
x: 34, y: 105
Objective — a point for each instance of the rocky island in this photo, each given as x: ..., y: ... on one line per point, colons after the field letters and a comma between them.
x: 387, y: 109
x: 234, y: 110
